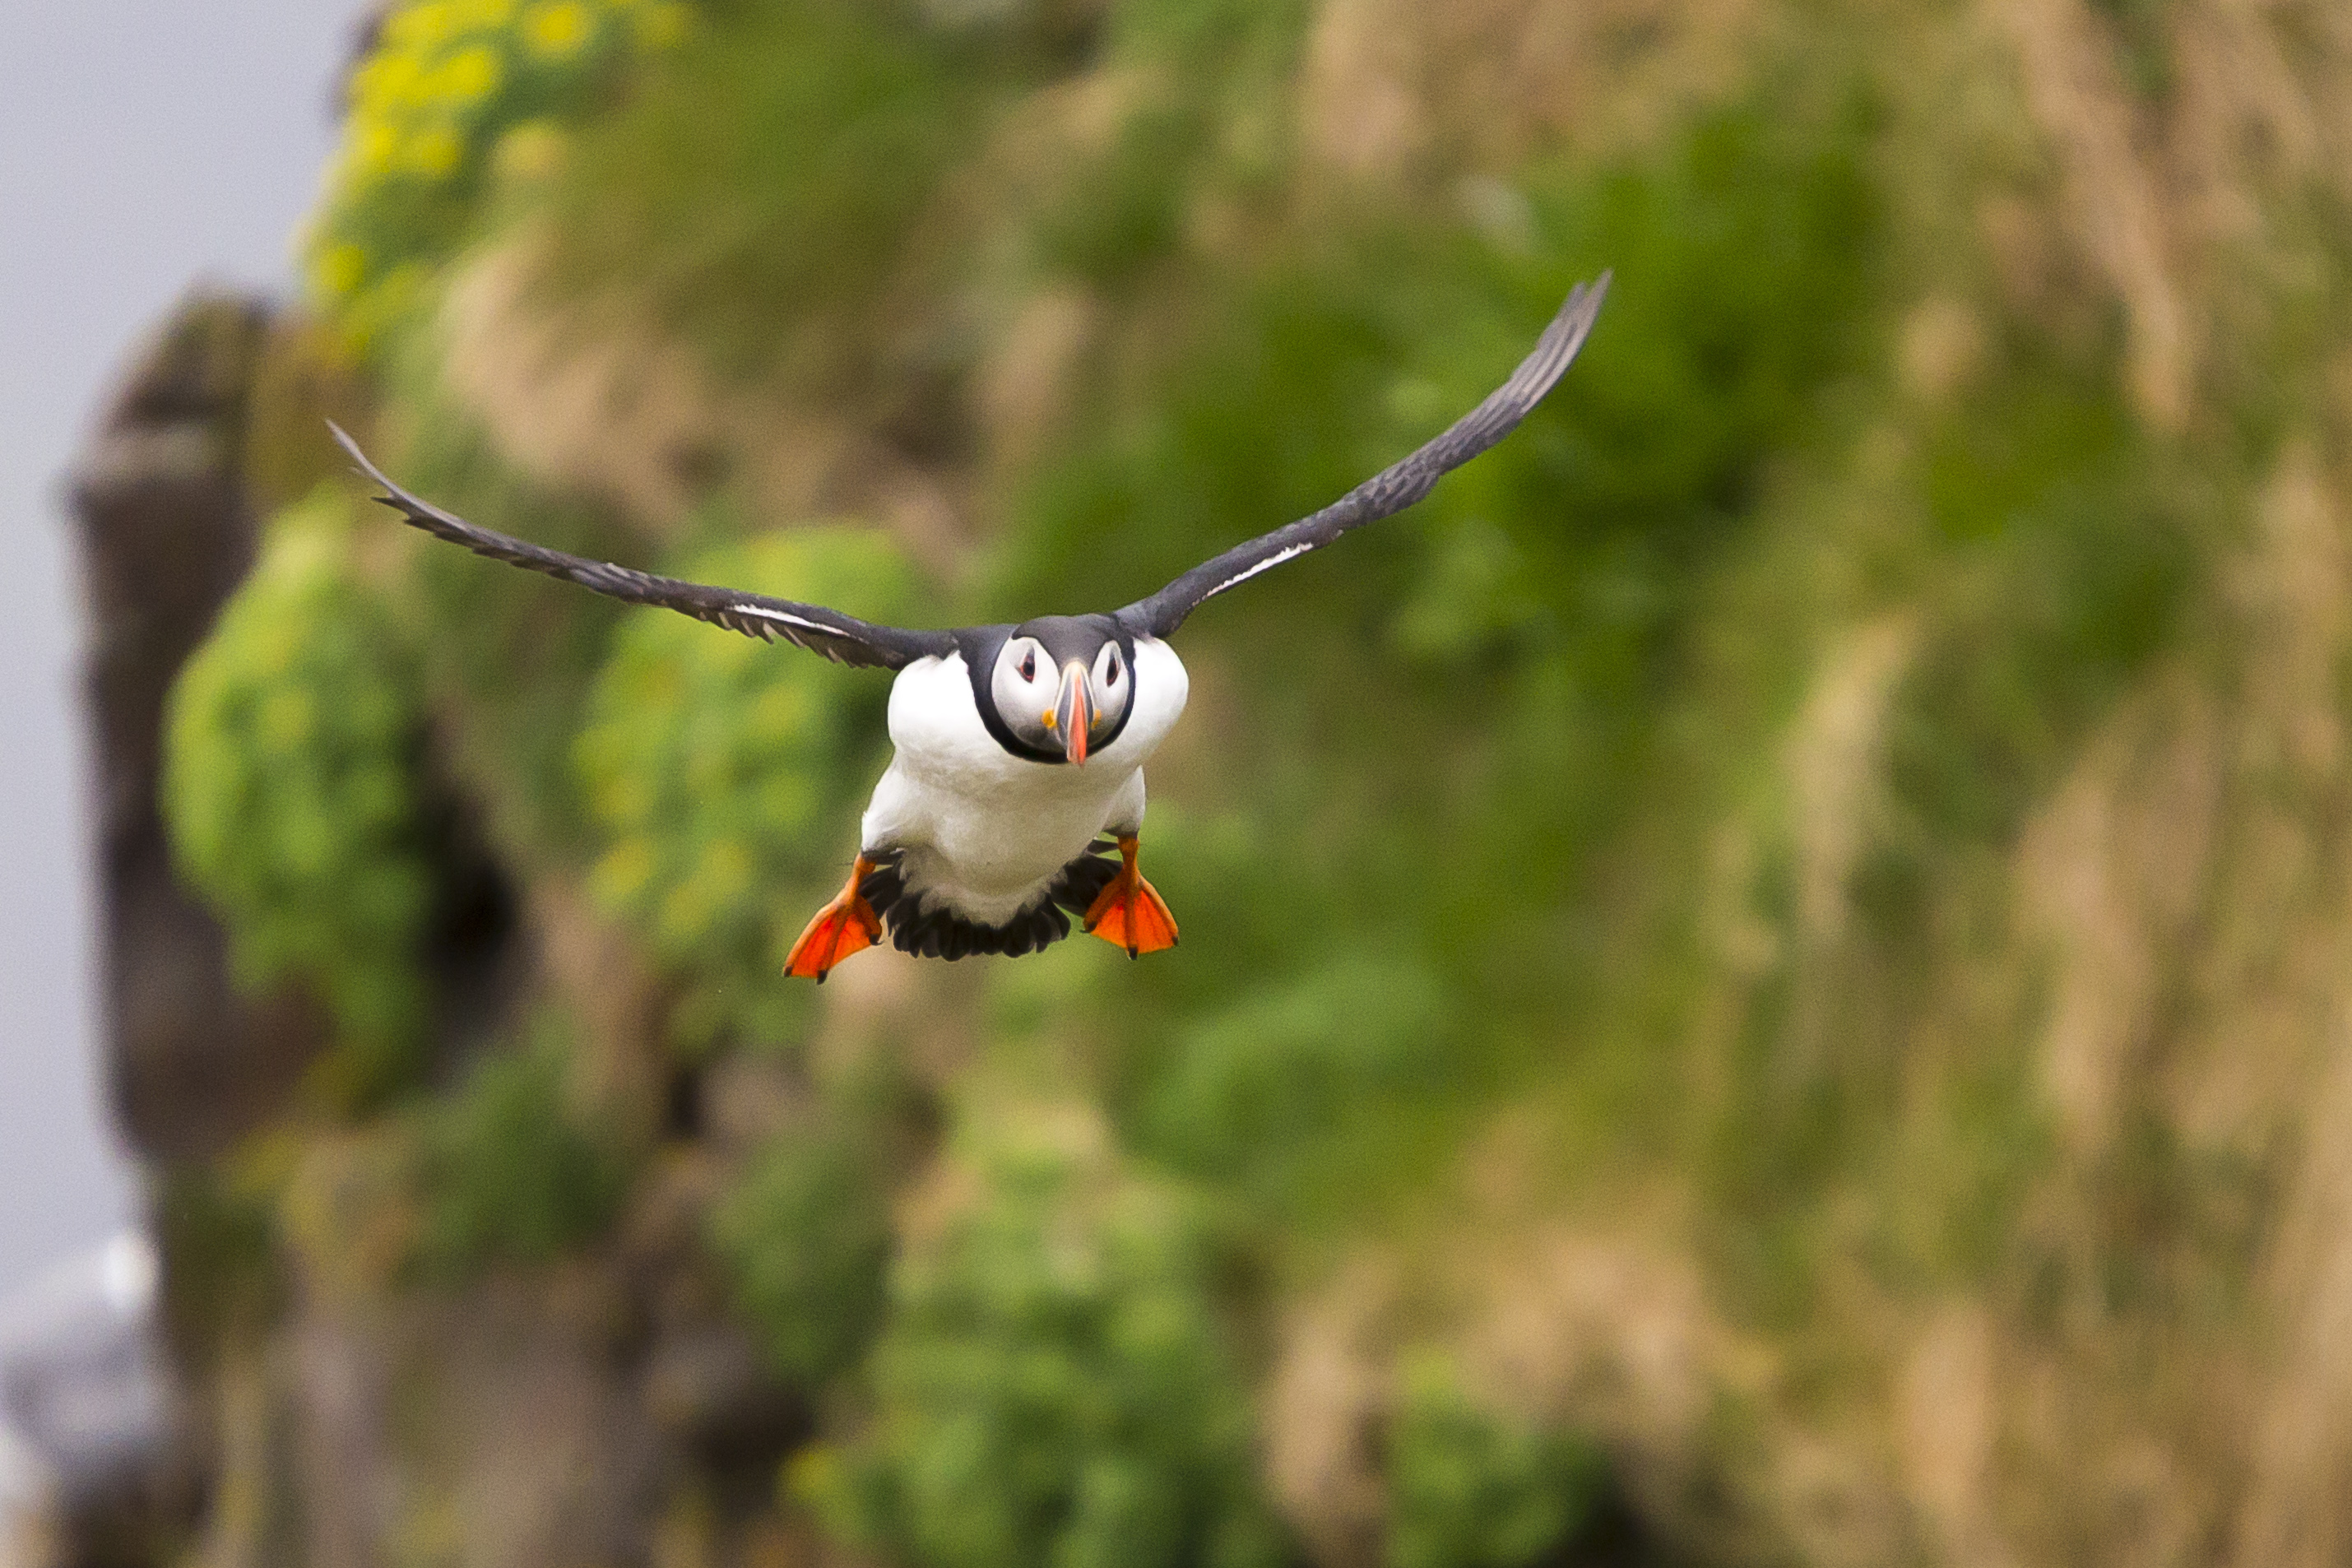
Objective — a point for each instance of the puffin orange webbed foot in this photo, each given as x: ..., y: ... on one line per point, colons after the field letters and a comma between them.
x: 847, y: 925
x: 1130, y: 913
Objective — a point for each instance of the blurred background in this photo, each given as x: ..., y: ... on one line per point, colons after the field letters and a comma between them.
x: 141, y: 149
x: 139, y: 152
x: 1766, y: 976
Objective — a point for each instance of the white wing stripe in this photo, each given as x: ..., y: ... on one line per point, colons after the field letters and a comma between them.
x: 1268, y: 564
x: 767, y: 614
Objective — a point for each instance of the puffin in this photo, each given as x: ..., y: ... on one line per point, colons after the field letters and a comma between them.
x: 1018, y: 751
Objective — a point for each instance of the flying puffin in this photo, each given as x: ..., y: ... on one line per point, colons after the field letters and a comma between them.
x: 1020, y: 749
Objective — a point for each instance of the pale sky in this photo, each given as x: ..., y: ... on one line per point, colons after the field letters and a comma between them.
x: 144, y: 146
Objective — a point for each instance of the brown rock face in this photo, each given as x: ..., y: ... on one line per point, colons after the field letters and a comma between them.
x: 165, y: 533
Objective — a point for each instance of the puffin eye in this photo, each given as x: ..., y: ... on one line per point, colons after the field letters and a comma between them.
x: 1029, y: 665
x: 1112, y: 679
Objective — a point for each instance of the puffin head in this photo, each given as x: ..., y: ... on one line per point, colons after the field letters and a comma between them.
x: 1060, y: 686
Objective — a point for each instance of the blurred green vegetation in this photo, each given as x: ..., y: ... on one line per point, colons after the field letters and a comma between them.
x: 510, y: 1169
x: 806, y: 1234
x: 1282, y: 1093
x: 2076, y: 561
x: 761, y: 194
x: 509, y: 669
x: 291, y: 785
x: 716, y: 775
x: 1055, y: 1383
x: 450, y: 88
x: 1473, y: 1489
x: 1497, y: 835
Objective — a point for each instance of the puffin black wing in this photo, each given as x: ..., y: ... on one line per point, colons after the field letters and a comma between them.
x: 845, y: 639
x: 1392, y: 490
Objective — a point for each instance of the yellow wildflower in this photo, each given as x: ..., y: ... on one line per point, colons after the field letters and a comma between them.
x: 389, y: 77
x: 367, y: 80
x: 433, y: 152
x: 481, y: 16
x: 557, y: 28
x: 471, y: 75
x: 424, y: 25
x: 373, y: 144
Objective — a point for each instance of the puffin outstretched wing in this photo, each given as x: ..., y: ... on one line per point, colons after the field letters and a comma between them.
x: 1392, y: 490
x: 845, y: 639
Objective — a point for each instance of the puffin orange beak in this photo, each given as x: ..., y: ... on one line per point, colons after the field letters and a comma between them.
x: 1074, y: 713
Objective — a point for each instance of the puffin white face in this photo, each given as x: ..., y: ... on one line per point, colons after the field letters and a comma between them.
x: 1066, y: 709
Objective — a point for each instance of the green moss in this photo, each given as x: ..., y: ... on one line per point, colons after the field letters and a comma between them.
x: 292, y: 788
x: 807, y: 1236
x: 1469, y: 1487
x: 1055, y: 1386
x: 723, y: 773
x: 510, y: 1170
